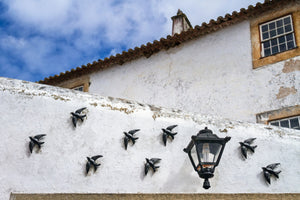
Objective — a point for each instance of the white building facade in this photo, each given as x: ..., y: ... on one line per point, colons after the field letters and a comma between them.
x: 57, y: 170
x: 222, y: 68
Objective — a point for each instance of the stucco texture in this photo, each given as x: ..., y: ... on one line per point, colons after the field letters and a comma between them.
x: 29, y: 109
x: 211, y: 75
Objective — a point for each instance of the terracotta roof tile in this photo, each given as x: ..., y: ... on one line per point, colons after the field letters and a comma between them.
x: 166, y: 43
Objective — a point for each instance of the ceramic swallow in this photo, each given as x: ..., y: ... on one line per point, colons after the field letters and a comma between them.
x: 92, y: 162
x: 77, y: 115
x: 129, y: 137
x: 168, y: 133
x: 35, y: 141
x: 269, y: 170
x: 246, y: 145
x: 150, y: 163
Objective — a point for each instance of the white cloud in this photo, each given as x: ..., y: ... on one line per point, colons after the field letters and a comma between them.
x: 88, y: 26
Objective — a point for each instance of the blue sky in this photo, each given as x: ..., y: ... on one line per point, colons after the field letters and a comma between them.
x: 41, y: 38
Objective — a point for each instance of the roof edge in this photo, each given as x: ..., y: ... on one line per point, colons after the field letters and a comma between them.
x: 165, y: 43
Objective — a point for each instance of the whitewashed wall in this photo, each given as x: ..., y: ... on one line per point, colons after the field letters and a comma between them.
x: 28, y: 109
x: 210, y: 75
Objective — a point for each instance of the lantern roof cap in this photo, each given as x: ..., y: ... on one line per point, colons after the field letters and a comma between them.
x: 205, y: 131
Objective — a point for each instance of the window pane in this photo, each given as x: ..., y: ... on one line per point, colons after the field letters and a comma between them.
x: 275, y: 123
x: 290, y: 45
x: 287, y: 20
x: 284, y: 123
x: 265, y: 35
x: 267, y: 52
x: 274, y: 49
x: 281, y: 39
x: 289, y: 37
x: 288, y: 28
x: 274, y: 42
x: 280, y: 31
x: 264, y: 28
x: 266, y: 44
x: 272, y: 25
x: 294, y: 122
x: 273, y: 33
x: 282, y: 47
x: 279, y: 23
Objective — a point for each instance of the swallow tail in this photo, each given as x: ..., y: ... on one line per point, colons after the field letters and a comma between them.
x: 252, y: 148
x: 82, y: 117
x: 172, y: 135
x: 96, y: 167
x: 40, y: 144
x: 134, y: 139
x: 275, y: 173
x: 155, y: 167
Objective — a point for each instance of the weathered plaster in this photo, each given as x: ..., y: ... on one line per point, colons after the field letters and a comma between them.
x: 210, y: 75
x: 291, y: 65
x: 285, y: 91
x: 29, y: 109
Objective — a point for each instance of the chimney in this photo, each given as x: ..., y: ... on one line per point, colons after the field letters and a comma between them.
x: 180, y: 23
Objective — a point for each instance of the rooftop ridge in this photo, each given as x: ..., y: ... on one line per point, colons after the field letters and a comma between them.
x: 165, y: 43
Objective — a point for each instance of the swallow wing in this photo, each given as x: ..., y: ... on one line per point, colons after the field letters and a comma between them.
x: 96, y: 157
x: 126, y: 139
x: 249, y: 141
x: 273, y: 166
x: 155, y: 160
x: 38, y: 137
x: 133, y: 131
x: 147, y: 166
x: 267, y: 176
x: 244, y: 151
x: 87, y: 167
x: 74, y: 120
x: 165, y: 136
x: 170, y: 128
x: 31, y: 145
x: 80, y: 110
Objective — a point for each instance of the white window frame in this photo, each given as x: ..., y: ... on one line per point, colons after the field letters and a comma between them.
x: 283, y: 119
x: 276, y: 36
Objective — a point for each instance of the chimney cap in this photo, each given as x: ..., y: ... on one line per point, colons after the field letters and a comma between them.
x: 179, y: 12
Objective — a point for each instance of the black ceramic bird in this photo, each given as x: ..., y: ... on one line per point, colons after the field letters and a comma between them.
x: 150, y: 163
x: 129, y: 137
x: 77, y: 115
x: 92, y: 162
x: 35, y: 141
x: 246, y: 145
x: 168, y: 133
x: 269, y: 170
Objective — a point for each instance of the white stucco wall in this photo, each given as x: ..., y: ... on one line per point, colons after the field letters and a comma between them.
x: 28, y: 109
x: 209, y: 75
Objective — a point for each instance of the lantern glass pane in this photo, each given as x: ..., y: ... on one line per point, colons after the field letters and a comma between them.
x: 209, y: 153
x: 194, y: 156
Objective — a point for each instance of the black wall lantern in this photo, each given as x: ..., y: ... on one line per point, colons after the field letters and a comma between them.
x: 208, y: 151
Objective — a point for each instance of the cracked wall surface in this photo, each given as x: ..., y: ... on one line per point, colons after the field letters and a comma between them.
x: 210, y: 75
x: 28, y: 109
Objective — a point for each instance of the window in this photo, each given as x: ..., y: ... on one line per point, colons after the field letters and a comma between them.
x: 79, y: 88
x: 291, y: 122
x: 81, y: 83
x: 277, y: 36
